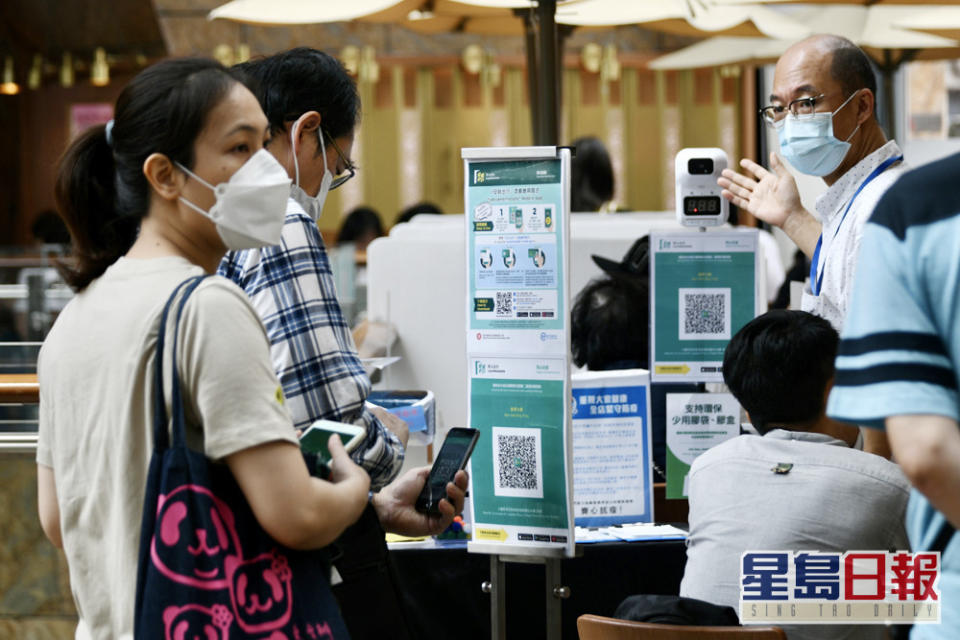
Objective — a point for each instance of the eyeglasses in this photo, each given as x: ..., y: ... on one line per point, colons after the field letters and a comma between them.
x: 800, y: 107
x: 351, y: 169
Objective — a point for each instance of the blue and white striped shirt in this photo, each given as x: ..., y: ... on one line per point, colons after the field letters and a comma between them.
x: 901, y: 342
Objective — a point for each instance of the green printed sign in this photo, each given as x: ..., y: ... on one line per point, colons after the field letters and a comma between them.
x: 704, y: 289
x: 518, y: 463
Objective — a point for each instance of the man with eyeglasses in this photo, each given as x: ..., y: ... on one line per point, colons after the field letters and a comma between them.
x: 823, y: 110
x: 313, y: 109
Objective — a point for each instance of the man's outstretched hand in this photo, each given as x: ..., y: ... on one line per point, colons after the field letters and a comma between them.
x: 394, y: 504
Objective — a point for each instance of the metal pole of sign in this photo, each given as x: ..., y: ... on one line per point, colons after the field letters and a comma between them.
x: 556, y: 592
x: 533, y: 89
x: 496, y: 587
x: 548, y: 129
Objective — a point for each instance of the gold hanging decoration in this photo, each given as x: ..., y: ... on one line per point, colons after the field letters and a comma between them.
x: 9, y: 87
x: 243, y: 52
x: 66, y: 70
x: 35, y: 77
x: 100, y: 70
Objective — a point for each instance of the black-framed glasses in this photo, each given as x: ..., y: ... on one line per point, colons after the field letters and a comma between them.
x: 800, y: 107
x: 351, y: 169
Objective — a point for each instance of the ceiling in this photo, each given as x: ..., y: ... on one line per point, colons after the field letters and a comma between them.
x: 124, y: 29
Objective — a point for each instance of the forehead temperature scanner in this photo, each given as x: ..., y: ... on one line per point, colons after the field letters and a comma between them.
x: 699, y: 203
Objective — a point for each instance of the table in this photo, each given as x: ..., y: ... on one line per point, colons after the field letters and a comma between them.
x: 442, y: 597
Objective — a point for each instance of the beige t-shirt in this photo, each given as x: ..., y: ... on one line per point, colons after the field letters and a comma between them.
x: 96, y: 395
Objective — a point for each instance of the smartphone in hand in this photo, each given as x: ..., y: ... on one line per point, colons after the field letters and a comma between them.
x: 314, y: 439
x: 453, y: 456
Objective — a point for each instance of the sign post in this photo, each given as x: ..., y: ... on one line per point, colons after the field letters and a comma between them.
x: 518, y: 341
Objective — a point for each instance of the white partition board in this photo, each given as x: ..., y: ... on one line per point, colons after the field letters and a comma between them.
x: 416, y: 280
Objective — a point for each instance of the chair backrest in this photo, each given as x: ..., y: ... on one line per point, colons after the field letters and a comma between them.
x: 591, y: 627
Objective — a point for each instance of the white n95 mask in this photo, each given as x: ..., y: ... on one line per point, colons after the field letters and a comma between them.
x: 251, y: 206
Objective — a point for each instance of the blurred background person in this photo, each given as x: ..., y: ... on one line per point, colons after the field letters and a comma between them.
x: 360, y: 227
x: 610, y: 329
x: 591, y: 176
x: 414, y: 209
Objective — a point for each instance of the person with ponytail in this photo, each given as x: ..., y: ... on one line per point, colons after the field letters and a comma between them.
x: 139, y: 200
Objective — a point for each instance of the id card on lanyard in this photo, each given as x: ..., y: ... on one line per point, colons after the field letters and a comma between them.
x: 816, y: 281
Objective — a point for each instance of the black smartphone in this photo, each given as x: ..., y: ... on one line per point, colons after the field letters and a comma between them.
x: 453, y: 456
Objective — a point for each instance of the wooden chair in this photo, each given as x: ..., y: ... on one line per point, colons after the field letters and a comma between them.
x: 591, y: 627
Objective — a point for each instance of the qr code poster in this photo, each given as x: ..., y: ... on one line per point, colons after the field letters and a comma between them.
x: 703, y: 289
x: 704, y: 314
x: 517, y: 462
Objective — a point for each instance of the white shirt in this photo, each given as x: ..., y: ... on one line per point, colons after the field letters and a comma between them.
x: 841, y: 235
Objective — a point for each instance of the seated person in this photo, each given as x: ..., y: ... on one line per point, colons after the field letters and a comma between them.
x: 361, y: 227
x: 416, y: 209
x: 610, y: 329
x: 591, y: 176
x: 833, y: 497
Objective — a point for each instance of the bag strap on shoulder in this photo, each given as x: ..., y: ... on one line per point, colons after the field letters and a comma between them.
x: 161, y: 439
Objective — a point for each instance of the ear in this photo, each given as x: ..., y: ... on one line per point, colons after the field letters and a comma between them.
x: 165, y: 178
x: 865, y: 102
x: 309, y: 123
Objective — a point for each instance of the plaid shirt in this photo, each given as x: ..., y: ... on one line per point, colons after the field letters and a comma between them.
x: 291, y: 287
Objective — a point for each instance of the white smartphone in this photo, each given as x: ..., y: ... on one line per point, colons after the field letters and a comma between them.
x: 314, y: 439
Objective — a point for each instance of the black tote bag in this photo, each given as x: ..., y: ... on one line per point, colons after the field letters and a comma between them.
x: 207, y: 569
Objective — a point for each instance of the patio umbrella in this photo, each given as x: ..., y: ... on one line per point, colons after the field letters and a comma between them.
x: 696, y: 18
x: 876, y: 29
x: 535, y: 20
x: 940, y: 21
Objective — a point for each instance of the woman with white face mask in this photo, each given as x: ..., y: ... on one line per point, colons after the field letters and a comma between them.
x: 178, y: 177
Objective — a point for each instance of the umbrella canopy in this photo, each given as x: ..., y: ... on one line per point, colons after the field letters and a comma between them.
x: 941, y: 21
x: 533, y: 19
x: 859, y: 2
x: 684, y: 17
x: 482, y: 17
x: 274, y: 12
x: 723, y: 50
x: 876, y: 29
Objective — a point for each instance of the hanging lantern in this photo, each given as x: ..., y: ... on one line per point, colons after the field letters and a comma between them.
x: 9, y: 86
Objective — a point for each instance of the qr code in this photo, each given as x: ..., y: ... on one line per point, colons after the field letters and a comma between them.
x: 517, y: 461
x: 704, y: 314
x: 504, y: 303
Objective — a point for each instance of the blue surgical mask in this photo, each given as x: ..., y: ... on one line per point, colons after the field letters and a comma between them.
x: 807, y: 142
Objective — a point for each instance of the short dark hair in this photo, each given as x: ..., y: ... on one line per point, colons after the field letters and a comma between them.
x: 101, y: 192
x: 851, y: 67
x: 591, y: 175
x: 610, y: 324
x: 778, y: 366
x: 290, y: 83
x: 416, y: 209
x: 359, y: 222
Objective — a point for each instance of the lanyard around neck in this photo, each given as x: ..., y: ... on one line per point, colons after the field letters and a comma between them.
x: 816, y: 282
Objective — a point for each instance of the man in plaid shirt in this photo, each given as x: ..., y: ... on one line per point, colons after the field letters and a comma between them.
x: 313, y: 108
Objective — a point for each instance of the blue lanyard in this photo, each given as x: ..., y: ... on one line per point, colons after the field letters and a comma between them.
x: 816, y: 282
